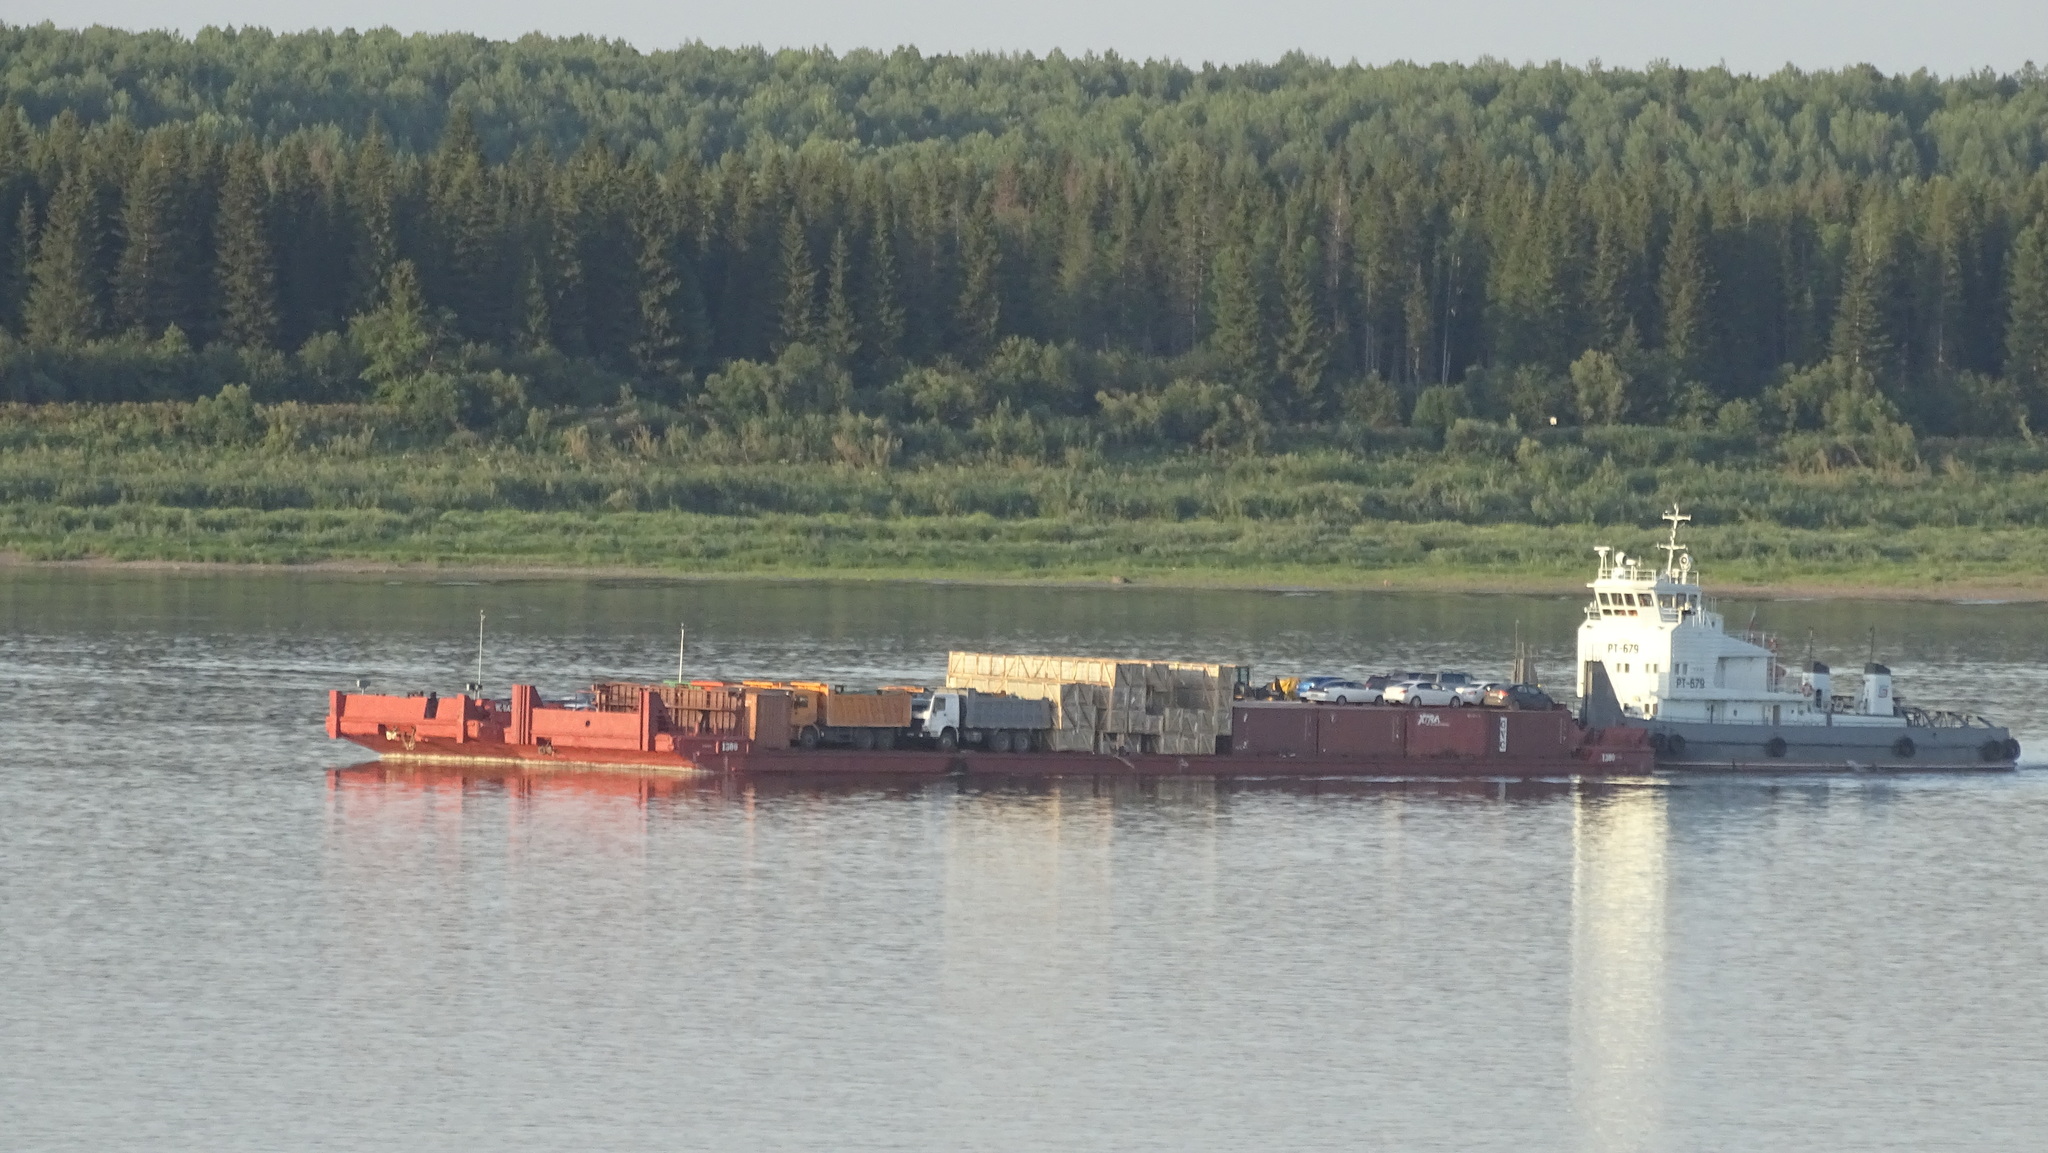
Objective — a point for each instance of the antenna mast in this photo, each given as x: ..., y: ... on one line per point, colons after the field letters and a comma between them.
x: 682, y: 643
x: 1671, y: 547
x: 479, y: 686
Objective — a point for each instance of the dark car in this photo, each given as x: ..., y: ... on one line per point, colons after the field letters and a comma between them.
x: 1524, y: 697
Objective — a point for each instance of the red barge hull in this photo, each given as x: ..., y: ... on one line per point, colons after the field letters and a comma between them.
x: 1268, y: 741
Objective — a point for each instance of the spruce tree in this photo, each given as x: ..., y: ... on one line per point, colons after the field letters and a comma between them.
x: 245, y: 268
x: 882, y: 316
x: 151, y: 276
x: 978, y: 313
x: 1237, y: 333
x: 372, y: 200
x: 799, y: 286
x: 1859, y: 339
x: 1303, y: 352
x: 567, y: 296
x: 1685, y: 288
x: 842, y: 330
x: 63, y: 305
x: 2026, y: 329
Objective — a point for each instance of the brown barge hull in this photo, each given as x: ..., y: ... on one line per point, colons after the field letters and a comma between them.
x: 914, y: 763
x: 1270, y: 741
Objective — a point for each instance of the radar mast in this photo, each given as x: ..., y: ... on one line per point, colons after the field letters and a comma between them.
x: 1672, y: 548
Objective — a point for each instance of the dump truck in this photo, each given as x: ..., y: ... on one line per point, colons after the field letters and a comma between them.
x: 823, y: 715
x: 951, y: 718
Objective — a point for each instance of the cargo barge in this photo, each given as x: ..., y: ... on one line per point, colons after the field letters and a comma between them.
x: 664, y: 728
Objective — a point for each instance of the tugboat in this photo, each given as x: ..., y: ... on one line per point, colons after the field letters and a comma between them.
x: 1654, y: 654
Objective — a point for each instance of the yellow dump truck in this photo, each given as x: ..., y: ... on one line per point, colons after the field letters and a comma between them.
x: 828, y: 715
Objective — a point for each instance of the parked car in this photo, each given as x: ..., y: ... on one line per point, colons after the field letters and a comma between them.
x: 1473, y: 693
x: 1527, y: 697
x: 1423, y: 694
x: 1451, y: 680
x: 1342, y: 693
x: 1303, y: 686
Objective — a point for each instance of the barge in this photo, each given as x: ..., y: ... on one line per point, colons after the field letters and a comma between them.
x: 658, y: 732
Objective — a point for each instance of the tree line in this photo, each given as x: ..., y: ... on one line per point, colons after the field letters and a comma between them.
x: 1495, y: 243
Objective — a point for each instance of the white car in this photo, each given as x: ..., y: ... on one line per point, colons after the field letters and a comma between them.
x: 1342, y: 693
x: 1475, y: 693
x: 1422, y: 694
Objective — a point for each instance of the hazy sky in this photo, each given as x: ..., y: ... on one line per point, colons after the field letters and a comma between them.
x: 1749, y: 35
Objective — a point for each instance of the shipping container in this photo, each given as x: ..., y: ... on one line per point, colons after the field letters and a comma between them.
x: 1347, y: 731
x: 1448, y: 733
x: 1286, y: 730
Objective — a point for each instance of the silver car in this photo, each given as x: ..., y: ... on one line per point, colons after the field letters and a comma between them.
x: 1342, y: 693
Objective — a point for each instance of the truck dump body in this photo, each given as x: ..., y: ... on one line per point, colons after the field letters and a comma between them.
x: 1268, y: 740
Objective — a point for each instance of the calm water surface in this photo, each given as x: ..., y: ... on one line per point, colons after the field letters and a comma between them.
x: 215, y: 935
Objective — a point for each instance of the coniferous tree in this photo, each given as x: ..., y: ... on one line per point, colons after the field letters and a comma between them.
x: 799, y: 285
x: 979, y: 311
x: 1303, y: 352
x: 882, y: 317
x: 1685, y: 289
x: 63, y: 305
x: 372, y: 196
x: 842, y: 331
x: 1237, y: 332
x: 658, y: 347
x: 2026, y: 330
x: 567, y: 303
x: 151, y: 279
x: 245, y: 268
x: 1859, y: 340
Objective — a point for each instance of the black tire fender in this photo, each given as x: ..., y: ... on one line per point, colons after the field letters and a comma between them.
x: 1904, y: 748
x: 1675, y: 744
x: 1775, y: 747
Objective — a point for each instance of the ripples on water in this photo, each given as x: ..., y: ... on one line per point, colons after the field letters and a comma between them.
x: 215, y: 935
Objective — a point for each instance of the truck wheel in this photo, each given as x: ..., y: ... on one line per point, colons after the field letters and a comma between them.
x: 808, y: 738
x: 949, y: 742
x: 885, y: 739
x: 863, y: 739
x: 999, y: 741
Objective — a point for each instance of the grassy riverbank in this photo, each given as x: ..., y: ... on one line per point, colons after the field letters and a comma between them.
x: 300, y: 486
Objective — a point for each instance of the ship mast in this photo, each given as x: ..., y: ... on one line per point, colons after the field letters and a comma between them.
x: 1672, y: 548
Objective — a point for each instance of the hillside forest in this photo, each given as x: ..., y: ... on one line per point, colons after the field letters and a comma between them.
x: 475, y: 235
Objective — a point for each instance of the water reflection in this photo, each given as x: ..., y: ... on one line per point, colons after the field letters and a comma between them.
x: 1619, y: 841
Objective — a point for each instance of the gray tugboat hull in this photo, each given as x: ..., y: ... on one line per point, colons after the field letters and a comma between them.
x: 1701, y: 747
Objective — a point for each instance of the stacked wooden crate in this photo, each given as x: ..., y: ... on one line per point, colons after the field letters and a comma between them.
x: 1109, y: 705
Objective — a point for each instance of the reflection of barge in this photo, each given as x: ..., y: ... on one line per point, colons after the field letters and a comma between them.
x: 1267, y: 740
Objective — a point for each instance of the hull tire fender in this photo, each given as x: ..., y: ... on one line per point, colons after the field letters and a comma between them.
x: 2012, y: 749
x: 1675, y: 744
x: 1775, y: 747
x: 1992, y: 750
x: 1904, y: 748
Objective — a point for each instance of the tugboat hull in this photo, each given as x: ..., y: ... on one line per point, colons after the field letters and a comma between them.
x: 1692, y: 746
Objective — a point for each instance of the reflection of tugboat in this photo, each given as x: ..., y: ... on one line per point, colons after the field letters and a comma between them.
x: 1654, y: 654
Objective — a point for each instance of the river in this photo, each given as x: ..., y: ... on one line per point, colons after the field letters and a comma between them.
x: 216, y: 934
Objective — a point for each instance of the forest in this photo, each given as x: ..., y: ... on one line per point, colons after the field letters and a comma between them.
x: 573, y: 251
x: 474, y: 230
